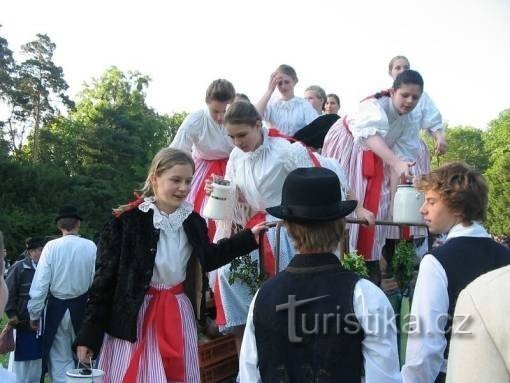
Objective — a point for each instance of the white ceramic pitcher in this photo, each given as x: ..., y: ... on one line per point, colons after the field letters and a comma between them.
x: 406, y: 205
x: 219, y: 205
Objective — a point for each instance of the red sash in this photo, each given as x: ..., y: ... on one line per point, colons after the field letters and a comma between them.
x: 269, y: 266
x: 372, y: 170
x: 164, y: 316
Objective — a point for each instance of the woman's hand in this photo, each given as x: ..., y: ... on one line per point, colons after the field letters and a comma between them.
x: 258, y: 228
x: 273, y: 81
x: 365, y: 214
x: 84, y: 353
x: 208, y: 184
x: 402, y: 168
x: 440, y: 143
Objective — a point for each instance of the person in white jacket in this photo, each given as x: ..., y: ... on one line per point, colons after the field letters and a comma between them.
x: 480, y: 352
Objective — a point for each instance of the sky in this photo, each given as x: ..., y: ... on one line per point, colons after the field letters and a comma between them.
x: 461, y: 48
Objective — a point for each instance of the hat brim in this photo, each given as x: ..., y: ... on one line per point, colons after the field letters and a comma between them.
x: 313, y: 214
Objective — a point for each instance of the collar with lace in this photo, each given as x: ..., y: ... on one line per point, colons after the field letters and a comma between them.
x: 163, y: 221
x: 259, y: 151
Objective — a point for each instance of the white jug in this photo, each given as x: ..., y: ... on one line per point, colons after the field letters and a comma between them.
x: 220, y: 205
x: 407, y: 204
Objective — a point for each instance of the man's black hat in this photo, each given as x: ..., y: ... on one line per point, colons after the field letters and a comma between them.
x: 68, y: 212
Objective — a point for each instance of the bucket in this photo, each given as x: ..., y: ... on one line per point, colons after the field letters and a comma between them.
x: 85, y: 375
x: 407, y: 204
x: 220, y: 203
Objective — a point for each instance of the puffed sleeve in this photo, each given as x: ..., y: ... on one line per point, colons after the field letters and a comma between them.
x: 431, y: 119
x: 188, y: 133
x: 295, y: 156
x: 369, y: 120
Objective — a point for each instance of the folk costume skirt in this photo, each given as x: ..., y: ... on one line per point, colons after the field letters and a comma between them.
x: 165, y: 350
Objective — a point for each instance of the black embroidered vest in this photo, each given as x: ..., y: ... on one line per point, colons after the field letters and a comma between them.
x: 305, y: 326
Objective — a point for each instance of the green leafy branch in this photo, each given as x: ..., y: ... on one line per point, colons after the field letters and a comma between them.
x: 403, y: 264
x: 354, y: 262
x: 246, y: 271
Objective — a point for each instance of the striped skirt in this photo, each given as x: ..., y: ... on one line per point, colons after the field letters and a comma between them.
x: 116, y: 354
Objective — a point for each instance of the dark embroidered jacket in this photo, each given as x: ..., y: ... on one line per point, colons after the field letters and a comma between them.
x: 124, y: 267
x: 19, y: 279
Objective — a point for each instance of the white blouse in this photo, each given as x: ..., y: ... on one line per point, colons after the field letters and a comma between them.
x: 289, y: 116
x: 173, y: 250
x: 200, y: 134
x: 259, y: 175
x: 428, y: 114
x: 400, y: 132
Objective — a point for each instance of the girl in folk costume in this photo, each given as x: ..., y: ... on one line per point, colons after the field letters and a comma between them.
x: 288, y: 113
x: 375, y: 146
x: 257, y: 168
x: 202, y: 133
x: 149, y: 282
x: 332, y: 105
x: 429, y: 116
x: 316, y: 96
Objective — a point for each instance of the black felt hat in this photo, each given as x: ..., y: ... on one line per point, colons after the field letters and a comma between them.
x: 312, y: 194
x: 34, y: 242
x: 68, y: 212
x: 313, y: 134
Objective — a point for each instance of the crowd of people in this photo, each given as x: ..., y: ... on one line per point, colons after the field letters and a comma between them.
x: 132, y: 300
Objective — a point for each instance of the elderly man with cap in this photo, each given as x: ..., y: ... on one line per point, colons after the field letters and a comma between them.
x: 61, y: 282
x: 315, y: 321
x: 25, y: 362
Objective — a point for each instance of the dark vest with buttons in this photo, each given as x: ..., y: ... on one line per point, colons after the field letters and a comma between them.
x: 320, y: 340
x: 464, y: 259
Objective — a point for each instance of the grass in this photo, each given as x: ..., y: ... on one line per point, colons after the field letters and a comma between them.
x: 4, y: 358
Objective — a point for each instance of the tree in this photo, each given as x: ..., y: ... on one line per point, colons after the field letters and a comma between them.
x: 111, y: 135
x: 7, y: 68
x: 497, y: 142
x: 38, y: 91
x: 465, y: 144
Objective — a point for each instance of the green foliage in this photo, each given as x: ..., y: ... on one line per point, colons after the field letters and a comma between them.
x: 246, y: 271
x: 464, y: 144
x: 356, y: 263
x: 403, y: 264
x: 94, y: 158
x: 497, y: 141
